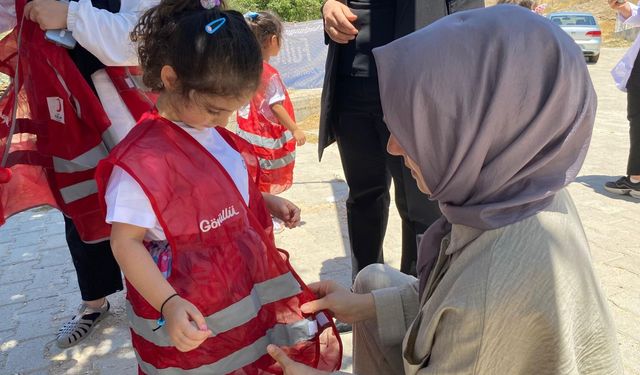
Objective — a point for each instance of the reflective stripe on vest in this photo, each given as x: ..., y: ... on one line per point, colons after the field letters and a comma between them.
x: 78, y: 191
x: 281, y: 335
x: 235, y: 315
x: 109, y: 138
x: 84, y: 162
x: 265, y: 142
x: 234, y: 361
x: 277, y: 163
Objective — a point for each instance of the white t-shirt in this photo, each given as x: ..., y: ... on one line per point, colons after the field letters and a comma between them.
x: 274, y: 93
x: 127, y: 202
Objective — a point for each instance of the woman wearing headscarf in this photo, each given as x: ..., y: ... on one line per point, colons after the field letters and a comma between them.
x: 506, y: 284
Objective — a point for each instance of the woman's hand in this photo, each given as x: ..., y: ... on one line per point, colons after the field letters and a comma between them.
x: 180, y: 316
x: 338, y: 21
x: 289, y: 366
x: 49, y: 14
x: 346, y: 306
x: 282, y: 209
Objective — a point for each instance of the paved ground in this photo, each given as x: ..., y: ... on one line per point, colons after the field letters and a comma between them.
x: 38, y: 289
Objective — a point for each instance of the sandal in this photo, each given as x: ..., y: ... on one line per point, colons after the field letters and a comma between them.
x: 81, y: 325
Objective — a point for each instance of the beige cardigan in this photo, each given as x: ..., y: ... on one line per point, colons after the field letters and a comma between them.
x: 522, y: 299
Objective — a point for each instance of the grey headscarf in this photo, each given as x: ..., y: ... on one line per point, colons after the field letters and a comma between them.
x: 496, y: 107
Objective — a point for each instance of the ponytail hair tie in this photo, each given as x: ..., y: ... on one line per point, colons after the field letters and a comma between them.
x: 252, y: 16
x: 210, y: 4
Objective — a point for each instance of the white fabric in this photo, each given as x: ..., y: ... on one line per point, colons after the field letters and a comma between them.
x: 521, y: 299
x: 106, y: 34
x: 127, y: 202
x: 274, y: 93
x: 7, y: 15
x: 121, y: 119
x: 622, y: 70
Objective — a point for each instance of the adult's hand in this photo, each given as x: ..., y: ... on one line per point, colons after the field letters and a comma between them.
x: 624, y: 9
x: 289, y: 366
x: 338, y: 21
x: 49, y: 14
x: 345, y: 305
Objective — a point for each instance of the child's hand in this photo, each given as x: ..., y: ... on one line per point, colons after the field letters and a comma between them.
x: 300, y: 137
x: 180, y: 315
x: 282, y: 209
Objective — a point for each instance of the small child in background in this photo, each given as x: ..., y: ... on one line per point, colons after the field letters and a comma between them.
x: 268, y: 121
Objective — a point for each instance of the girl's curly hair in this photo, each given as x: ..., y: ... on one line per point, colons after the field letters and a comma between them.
x: 227, y: 62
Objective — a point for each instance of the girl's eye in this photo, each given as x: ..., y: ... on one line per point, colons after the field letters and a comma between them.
x: 214, y: 113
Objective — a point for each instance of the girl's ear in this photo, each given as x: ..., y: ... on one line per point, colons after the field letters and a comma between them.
x: 275, y: 41
x: 169, y: 77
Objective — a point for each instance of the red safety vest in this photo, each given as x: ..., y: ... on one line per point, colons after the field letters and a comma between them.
x: 272, y: 142
x: 224, y: 261
x: 49, y: 153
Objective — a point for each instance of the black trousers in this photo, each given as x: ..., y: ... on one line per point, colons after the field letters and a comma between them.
x: 633, y: 115
x: 97, y: 270
x: 362, y: 137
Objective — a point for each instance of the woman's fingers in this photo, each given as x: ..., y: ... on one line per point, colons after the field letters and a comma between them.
x: 280, y: 357
x: 324, y: 287
x: 315, y: 306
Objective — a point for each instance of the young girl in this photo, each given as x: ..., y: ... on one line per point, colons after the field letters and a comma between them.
x: 191, y: 231
x: 268, y: 121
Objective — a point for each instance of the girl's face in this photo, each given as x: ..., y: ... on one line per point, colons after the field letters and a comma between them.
x: 205, y: 111
x: 394, y: 148
x: 196, y: 110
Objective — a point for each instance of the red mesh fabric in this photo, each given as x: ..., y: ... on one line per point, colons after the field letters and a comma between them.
x: 216, y: 260
x: 275, y: 180
x: 58, y: 117
x: 26, y: 185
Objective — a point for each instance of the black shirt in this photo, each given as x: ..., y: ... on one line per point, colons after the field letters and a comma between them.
x: 633, y: 84
x: 86, y: 62
x: 355, y: 58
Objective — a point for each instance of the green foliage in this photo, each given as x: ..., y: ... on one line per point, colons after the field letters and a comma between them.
x: 288, y: 10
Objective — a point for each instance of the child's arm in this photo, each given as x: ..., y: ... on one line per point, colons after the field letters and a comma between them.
x: 283, y: 209
x: 283, y: 118
x: 144, y: 275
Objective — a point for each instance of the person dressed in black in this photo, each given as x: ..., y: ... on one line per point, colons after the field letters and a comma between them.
x: 351, y: 115
x: 627, y: 77
x: 102, y: 29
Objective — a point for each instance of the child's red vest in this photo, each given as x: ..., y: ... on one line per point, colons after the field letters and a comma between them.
x: 224, y: 261
x: 49, y: 153
x: 272, y: 142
